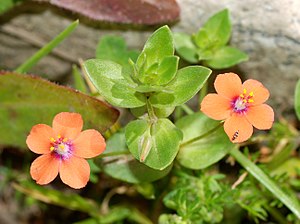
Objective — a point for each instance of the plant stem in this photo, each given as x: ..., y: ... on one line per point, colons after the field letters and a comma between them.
x: 201, y: 136
x: 186, y: 109
x: 266, y: 181
x: 125, y: 152
x: 150, y: 111
x: 46, y: 49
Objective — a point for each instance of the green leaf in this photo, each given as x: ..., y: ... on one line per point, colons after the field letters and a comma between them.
x: 185, y: 47
x: 156, y: 64
x: 297, y: 99
x: 122, y: 166
x: 206, y: 151
x: 27, y: 100
x: 215, y: 32
x: 161, y: 73
x: 226, y: 57
x: 185, y: 85
x: 159, y: 45
x: 155, y: 144
x: 114, y: 48
x: 108, y: 79
x: 167, y: 70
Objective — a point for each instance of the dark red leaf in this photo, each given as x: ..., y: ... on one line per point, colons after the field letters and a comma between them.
x: 147, y: 12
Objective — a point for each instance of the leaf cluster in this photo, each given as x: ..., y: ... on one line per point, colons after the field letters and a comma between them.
x: 209, y: 44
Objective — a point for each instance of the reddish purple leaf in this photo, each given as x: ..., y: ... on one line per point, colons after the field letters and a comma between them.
x: 147, y: 12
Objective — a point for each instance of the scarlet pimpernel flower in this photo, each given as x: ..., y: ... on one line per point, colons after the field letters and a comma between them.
x: 64, y: 149
x: 241, y: 105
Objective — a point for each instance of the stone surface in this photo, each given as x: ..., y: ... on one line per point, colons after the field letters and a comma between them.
x: 269, y: 31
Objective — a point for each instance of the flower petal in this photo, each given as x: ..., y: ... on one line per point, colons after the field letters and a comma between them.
x: 238, y: 128
x: 216, y: 106
x: 68, y: 125
x: 228, y: 85
x: 89, y: 144
x: 38, y: 140
x: 260, y: 93
x: 44, y: 169
x: 75, y: 172
x: 261, y: 116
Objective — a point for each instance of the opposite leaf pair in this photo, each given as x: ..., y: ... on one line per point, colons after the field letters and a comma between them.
x: 152, y: 88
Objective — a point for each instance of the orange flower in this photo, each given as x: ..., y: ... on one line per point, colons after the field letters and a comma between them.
x: 63, y: 148
x: 240, y: 105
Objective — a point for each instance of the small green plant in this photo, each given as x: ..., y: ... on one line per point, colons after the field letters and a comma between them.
x: 210, y: 44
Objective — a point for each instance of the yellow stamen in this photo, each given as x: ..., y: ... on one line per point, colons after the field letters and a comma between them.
x: 52, y: 139
x: 51, y: 148
x: 251, y: 94
x: 62, y: 146
x: 250, y: 101
x: 244, y: 91
x: 58, y: 136
x: 245, y: 101
x: 65, y: 140
x: 242, y: 95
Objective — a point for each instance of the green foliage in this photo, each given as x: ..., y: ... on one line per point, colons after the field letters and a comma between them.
x: 250, y: 198
x: 8, y: 4
x: 112, y: 85
x: 157, y: 59
x: 154, y: 143
x: 184, y: 86
x: 197, y: 199
x: 121, y: 164
x: 208, y: 45
x: 27, y: 100
x: 151, y: 87
x: 207, y: 150
x: 114, y: 48
x: 226, y: 57
x: 215, y: 32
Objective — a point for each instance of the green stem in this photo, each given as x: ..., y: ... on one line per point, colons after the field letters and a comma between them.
x: 150, y: 111
x: 186, y: 109
x: 201, y: 136
x: 46, y: 49
x: 119, y: 153
x: 266, y: 181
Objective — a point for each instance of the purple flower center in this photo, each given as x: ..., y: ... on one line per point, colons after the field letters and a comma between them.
x: 241, y: 103
x: 61, y: 147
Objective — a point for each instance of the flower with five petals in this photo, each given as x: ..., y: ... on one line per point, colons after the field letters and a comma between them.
x: 64, y: 149
x: 241, y: 105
